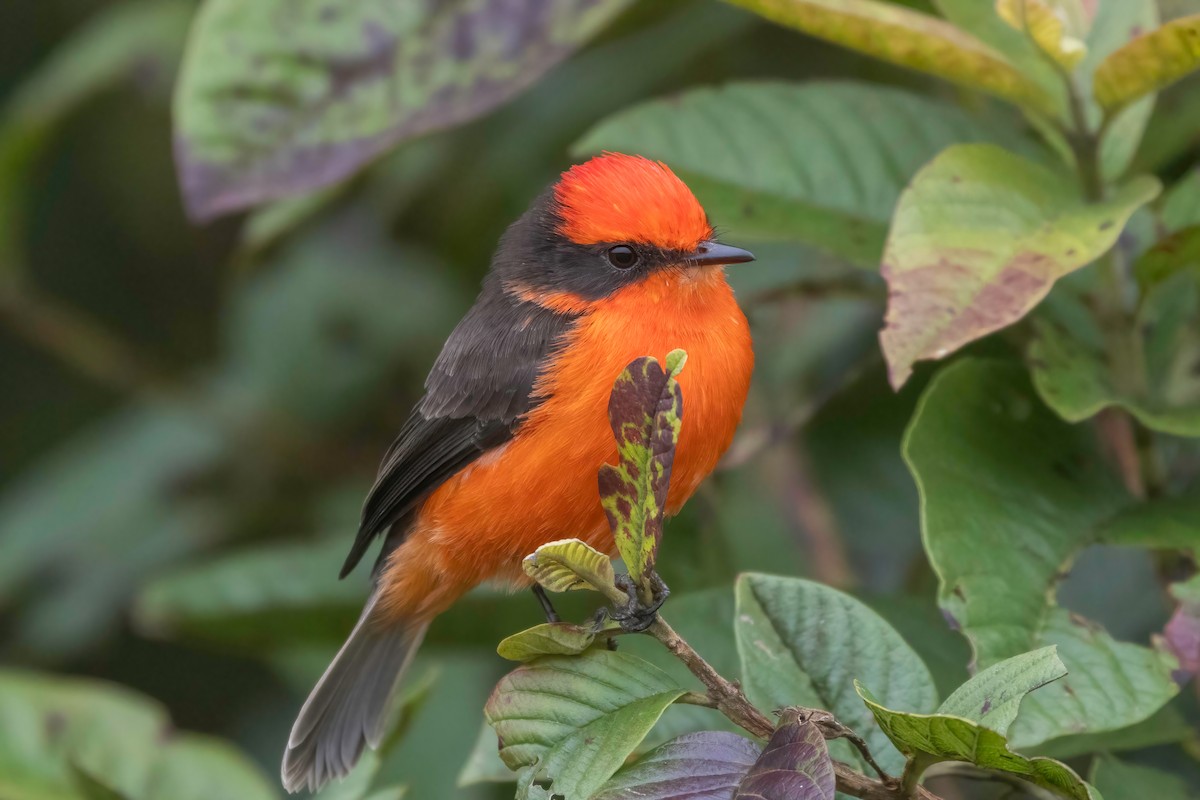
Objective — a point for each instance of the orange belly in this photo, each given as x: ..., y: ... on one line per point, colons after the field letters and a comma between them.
x: 542, y: 485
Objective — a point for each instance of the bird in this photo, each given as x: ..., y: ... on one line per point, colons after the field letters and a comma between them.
x: 615, y: 260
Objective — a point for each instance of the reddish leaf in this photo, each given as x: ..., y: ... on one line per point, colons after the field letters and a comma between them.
x: 794, y: 766
x: 696, y: 766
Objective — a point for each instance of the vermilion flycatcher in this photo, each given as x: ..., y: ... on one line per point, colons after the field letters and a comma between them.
x: 615, y: 261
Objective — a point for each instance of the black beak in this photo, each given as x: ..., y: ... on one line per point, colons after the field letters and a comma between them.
x: 710, y: 253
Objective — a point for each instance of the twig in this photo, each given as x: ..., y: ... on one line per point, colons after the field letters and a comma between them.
x: 81, y: 343
x: 728, y: 698
x: 1142, y: 473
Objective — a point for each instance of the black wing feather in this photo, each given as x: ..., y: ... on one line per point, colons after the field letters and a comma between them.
x: 480, y: 388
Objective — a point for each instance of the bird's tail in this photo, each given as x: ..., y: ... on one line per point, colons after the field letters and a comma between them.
x: 349, y: 705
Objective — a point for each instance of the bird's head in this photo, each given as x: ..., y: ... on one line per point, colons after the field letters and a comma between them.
x: 607, y: 224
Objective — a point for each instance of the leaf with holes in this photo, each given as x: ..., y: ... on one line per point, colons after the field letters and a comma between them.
x: 645, y: 411
x: 795, y: 764
x: 802, y: 643
x: 572, y: 721
x: 799, y: 162
x: 1000, y: 474
x: 932, y: 738
x: 569, y: 565
x: 278, y: 97
x: 1149, y: 63
x: 696, y: 766
x: 907, y: 38
x: 978, y: 239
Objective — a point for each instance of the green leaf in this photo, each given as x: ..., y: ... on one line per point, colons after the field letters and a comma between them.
x: 978, y: 239
x: 645, y: 411
x: 690, y: 767
x: 130, y: 478
x: 1179, y: 252
x: 1075, y: 376
x: 1115, y: 25
x: 841, y: 179
x: 192, y: 767
x: 802, y: 643
x: 909, y: 39
x: 1119, y: 780
x: 1166, y: 726
x: 1165, y: 522
x: 108, y: 49
x: 795, y: 765
x: 91, y: 787
x: 280, y: 97
x: 930, y: 738
x: 550, y: 638
x: 55, y: 732
x: 1149, y: 63
x: 572, y: 721
x: 569, y: 564
x: 483, y: 765
x: 1000, y: 475
x: 1181, y: 203
x: 993, y: 697
x: 256, y: 599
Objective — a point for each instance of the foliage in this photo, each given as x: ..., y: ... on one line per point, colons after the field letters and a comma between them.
x: 991, y: 205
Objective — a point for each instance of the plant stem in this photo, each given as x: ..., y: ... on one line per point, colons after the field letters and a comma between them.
x: 728, y: 698
x: 81, y: 343
x: 1143, y: 475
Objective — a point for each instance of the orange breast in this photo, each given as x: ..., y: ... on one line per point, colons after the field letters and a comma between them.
x: 541, y: 486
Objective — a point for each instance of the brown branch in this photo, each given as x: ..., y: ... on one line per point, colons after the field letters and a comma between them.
x: 728, y: 698
x: 81, y: 343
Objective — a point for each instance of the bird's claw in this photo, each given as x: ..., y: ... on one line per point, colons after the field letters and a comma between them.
x: 635, y: 616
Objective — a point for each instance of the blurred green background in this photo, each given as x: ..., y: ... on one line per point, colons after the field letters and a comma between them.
x: 191, y: 416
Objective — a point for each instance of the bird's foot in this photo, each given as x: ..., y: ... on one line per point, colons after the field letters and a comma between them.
x: 635, y: 616
x: 547, y: 606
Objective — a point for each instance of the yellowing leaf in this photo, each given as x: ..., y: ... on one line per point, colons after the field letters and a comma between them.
x: 1148, y: 63
x: 1047, y: 25
x: 569, y: 564
x: 547, y: 639
x: 910, y: 39
x: 978, y: 239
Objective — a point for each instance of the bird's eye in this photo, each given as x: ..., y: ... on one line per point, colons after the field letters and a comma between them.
x: 622, y: 256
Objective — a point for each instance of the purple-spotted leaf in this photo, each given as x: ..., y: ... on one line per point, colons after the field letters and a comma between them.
x: 695, y: 766
x: 547, y: 639
x: 795, y: 765
x: 645, y: 411
x: 278, y: 97
x: 569, y: 564
x: 978, y: 239
x: 907, y: 38
x: 1149, y: 63
x: 571, y: 721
